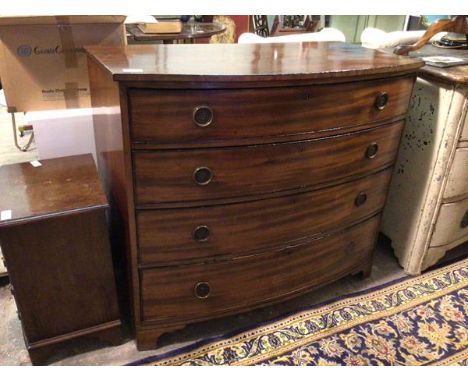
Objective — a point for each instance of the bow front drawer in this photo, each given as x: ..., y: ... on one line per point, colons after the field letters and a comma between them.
x: 186, y: 234
x: 202, y: 290
x: 233, y: 117
x: 207, y: 174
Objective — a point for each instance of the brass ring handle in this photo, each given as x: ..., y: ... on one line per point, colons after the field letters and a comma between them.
x: 202, y: 176
x: 371, y: 150
x: 360, y: 199
x: 201, y: 233
x: 202, y: 115
x: 464, y: 221
x: 202, y: 290
x: 381, y: 100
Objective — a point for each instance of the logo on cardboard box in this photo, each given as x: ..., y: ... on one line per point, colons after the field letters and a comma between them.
x: 24, y: 51
x: 27, y: 50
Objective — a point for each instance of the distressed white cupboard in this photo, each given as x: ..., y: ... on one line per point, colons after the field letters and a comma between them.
x: 427, y: 207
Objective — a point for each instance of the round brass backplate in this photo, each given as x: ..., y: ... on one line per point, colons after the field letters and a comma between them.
x: 202, y: 290
x: 202, y: 176
x: 202, y: 116
x: 201, y: 233
x: 381, y: 100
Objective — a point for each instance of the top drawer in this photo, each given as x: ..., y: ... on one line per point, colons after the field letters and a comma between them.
x: 208, y: 117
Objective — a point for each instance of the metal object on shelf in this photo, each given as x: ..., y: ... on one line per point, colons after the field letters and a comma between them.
x: 21, y: 129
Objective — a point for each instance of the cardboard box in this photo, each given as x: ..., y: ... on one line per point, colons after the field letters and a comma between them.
x: 42, y: 61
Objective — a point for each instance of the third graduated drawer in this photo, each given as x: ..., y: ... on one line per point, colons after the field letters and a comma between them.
x: 230, y: 117
x: 187, y: 234
x: 200, y: 175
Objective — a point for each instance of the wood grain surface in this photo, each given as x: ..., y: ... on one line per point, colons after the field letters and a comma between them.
x: 166, y: 236
x: 167, y: 175
x: 168, y: 293
x: 54, y: 187
x: 212, y: 65
x: 165, y: 117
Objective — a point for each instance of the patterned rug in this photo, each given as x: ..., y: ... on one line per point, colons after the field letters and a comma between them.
x: 412, y: 321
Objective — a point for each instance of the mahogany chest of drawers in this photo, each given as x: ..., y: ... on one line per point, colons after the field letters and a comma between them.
x: 54, y: 237
x: 240, y: 175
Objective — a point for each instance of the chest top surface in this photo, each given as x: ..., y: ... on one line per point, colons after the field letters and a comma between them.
x: 57, y: 186
x: 326, y: 61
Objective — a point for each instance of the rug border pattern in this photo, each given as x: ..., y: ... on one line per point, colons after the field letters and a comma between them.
x: 207, y: 345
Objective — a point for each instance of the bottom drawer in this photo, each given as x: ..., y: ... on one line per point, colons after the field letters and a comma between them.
x: 193, y: 292
x: 452, y: 223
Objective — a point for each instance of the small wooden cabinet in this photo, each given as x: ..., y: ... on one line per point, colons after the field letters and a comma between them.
x: 54, y: 238
x: 241, y: 175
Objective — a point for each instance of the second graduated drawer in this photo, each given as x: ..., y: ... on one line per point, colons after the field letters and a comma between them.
x: 185, y: 234
x: 206, y: 174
